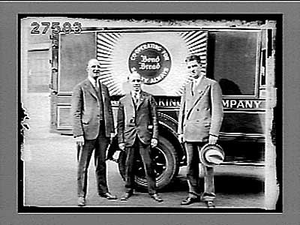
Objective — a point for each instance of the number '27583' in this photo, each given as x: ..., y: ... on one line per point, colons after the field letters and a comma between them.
x: 67, y: 27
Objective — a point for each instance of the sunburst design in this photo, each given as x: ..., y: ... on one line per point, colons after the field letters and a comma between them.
x: 197, y: 45
x: 105, y: 45
x: 114, y: 48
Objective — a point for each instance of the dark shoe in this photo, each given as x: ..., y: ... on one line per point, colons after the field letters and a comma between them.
x: 109, y: 196
x: 126, y: 196
x: 190, y: 200
x: 157, y: 198
x: 210, y: 204
x: 81, y: 201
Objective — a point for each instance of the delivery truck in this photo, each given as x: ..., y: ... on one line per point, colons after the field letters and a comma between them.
x: 240, y: 57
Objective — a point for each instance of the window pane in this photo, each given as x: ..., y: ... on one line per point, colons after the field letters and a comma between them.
x: 233, y: 60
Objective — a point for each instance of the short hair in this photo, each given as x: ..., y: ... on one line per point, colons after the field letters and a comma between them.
x: 133, y: 72
x: 193, y: 58
x: 93, y: 59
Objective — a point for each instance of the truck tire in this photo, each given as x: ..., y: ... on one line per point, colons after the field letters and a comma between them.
x: 165, y: 163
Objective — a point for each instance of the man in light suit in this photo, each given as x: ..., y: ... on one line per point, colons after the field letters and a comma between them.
x: 137, y: 133
x: 200, y: 119
x: 93, y: 127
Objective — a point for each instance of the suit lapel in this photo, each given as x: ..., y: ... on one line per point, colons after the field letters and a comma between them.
x: 102, y: 91
x: 130, y: 109
x: 198, y: 94
x: 129, y: 103
x: 129, y: 100
x: 200, y: 88
x: 89, y: 87
x: 141, y: 100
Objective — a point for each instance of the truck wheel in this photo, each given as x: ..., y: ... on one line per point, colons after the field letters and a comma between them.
x: 165, y: 163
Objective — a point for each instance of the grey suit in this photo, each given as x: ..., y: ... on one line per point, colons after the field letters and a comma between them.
x: 85, y: 110
x: 92, y: 119
x: 200, y: 115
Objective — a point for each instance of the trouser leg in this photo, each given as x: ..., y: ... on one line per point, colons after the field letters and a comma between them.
x: 192, y: 168
x: 144, y: 151
x: 209, y: 186
x: 100, y: 164
x: 83, y: 164
x: 129, y: 169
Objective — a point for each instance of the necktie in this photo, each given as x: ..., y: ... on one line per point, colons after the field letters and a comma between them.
x: 96, y: 86
x: 193, y: 87
x: 135, y: 97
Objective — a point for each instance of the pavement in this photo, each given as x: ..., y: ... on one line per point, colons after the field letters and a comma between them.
x: 50, y: 173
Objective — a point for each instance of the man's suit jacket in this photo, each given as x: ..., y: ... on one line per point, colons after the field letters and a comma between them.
x: 140, y: 120
x: 201, y: 113
x: 86, y: 113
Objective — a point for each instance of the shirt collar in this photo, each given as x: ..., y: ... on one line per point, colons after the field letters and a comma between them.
x: 197, y: 81
x: 92, y: 80
x: 138, y: 93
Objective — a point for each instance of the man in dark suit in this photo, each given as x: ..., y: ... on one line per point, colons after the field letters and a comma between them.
x: 200, y: 119
x: 137, y: 131
x: 93, y: 128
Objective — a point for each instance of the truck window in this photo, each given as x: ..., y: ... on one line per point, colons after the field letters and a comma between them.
x: 75, y: 51
x: 233, y: 58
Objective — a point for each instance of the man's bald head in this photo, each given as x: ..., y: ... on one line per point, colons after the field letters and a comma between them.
x: 93, y: 68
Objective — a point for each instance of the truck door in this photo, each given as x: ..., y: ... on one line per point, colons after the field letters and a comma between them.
x: 70, y: 54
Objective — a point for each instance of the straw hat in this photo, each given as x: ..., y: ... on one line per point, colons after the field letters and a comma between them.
x: 211, y: 155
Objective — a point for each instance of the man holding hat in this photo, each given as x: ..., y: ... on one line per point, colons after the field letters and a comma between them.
x: 200, y: 120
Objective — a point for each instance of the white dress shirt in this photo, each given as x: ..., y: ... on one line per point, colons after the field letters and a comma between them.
x: 135, y: 96
x: 93, y: 81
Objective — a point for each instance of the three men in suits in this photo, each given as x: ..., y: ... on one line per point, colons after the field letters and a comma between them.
x: 200, y: 119
x: 93, y: 127
x: 137, y: 133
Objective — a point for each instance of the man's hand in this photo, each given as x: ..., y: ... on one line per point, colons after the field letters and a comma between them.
x: 180, y: 138
x: 79, y: 140
x: 116, y: 156
x: 154, y: 142
x: 122, y: 146
x: 212, y: 139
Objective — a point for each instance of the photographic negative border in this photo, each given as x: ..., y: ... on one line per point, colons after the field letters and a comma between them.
x: 110, y: 18
x: 291, y: 167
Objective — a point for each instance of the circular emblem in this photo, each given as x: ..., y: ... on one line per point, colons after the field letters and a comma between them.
x: 151, y: 60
